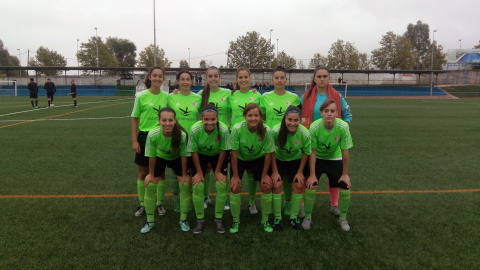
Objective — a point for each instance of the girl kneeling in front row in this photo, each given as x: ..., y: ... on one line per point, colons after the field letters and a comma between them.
x: 252, y: 145
x: 165, y: 146
x: 208, y: 143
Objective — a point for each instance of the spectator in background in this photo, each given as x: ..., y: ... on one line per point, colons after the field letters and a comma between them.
x: 73, y: 93
x: 196, y: 78
x: 339, y: 80
x: 200, y: 79
x: 51, y: 90
x: 33, y: 87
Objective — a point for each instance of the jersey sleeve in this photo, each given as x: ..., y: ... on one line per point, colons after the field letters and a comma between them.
x: 136, y: 107
x: 346, y: 139
x: 269, y: 145
x: 307, y: 141
x: 225, y: 143
x: 183, y: 152
x: 234, y: 138
x: 313, y: 136
x: 192, y: 144
x: 296, y: 100
x: 346, y: 114
x: 263, y: 100
x: 150, y: 145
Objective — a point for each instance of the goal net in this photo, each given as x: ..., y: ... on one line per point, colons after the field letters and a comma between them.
x: 8, y: 88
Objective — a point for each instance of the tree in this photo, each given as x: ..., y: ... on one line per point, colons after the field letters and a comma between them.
x: 394, y: 54
x: 8, y: 60
x: 284, y: 60
x: 419, y: 36
x: 439, y: 58
x: 343, y: 56
x: 47, y: 58
x: 184, y: 64
x: 475, y: 47
x: 146, y: 58
x: 364, y: 62
x: 301, y: 65
x: 205, y: 64
x: 123, y: 50
x: 251, y: 50
x: 87, y: 56
x: 317, y: 60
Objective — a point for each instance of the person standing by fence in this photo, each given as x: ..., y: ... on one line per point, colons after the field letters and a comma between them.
x: 33, y: 87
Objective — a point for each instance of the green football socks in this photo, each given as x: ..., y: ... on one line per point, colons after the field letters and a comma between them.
x: 296, y: 204
x: 252, y: 188
x: 175, y: 188
x: 198, y: 200
x: 185, y: 197
x: 344, y: 203
x: 266, y: 202
x: 235, y: 201
x: 277, y: 206
x: 141, y: 191
x: 162, y: 184
x: 309, y: 200
x: 150, y: 201
x: 220, y: 200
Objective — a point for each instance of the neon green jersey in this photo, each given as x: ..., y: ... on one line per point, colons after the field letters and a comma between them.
x: 220, y: 99
x: 158, y: 146
x: 274, y: 106
x: 295, y: 146
x: 238, y: 101
x: 208, y: 144
x: 249, y: 145
x: 143, y: 108
x: 329, y: 143
x: 186, y: 108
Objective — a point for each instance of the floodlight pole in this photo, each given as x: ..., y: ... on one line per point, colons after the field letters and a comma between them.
x: 460, y: 43
x: 96, y: 43
x: 270, y: 41
x: 188, y: 57
x: 277, y: 48
x: 78, y: 64
x: 431, y: 66
x: 154, y: 37
x: 20, y: 60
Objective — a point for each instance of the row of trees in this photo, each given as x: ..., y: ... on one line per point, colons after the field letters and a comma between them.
x: 412, y: 50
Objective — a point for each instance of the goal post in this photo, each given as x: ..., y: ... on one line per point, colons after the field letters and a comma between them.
x: 307, y: 85
x: 8, y: 88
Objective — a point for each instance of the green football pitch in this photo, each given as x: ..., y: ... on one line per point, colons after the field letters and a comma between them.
x: 68, y: 195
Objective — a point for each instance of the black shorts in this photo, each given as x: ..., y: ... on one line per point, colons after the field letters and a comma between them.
x: 50, y: 94
x: 204, y: 160
x: 290, y: 168
x: 74, y: 95
x: 255, y: 165
x: 175, y: 165
x: 333, y: 169
x: 141, y: 159
x: 33, y: 94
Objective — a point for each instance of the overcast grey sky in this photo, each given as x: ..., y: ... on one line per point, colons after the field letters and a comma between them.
x: 302, y: 27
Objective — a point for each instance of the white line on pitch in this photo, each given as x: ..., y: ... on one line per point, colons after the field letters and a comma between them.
x: 31, y: 110
x: 71, y: 119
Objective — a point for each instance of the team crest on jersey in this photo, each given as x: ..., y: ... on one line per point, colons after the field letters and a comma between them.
x: 288, y: 102
x: 260, y: 139
x: 195, y: 104
x: 216, y: 139
x: 297, y: 142
x: 243, y: 141
x: 337, y: 138
x: 165, y: 102
x: 151, y: 104
x: 223, y: 99
x: 271, y: 103
x: 250, y: 98
x: 178, y: 104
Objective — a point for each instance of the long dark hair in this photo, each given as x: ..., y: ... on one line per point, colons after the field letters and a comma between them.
x: 260, y: 128
x: 148, y: 82
x: 206, y: 89
x: 283, y: 132
x: 309, y: 92
x: 211, y: 107
x: 176, y: 132
x: 236, y: 77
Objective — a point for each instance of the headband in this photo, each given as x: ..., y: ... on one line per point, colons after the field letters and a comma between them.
x: 294, y: 111
x: 210, y: 110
